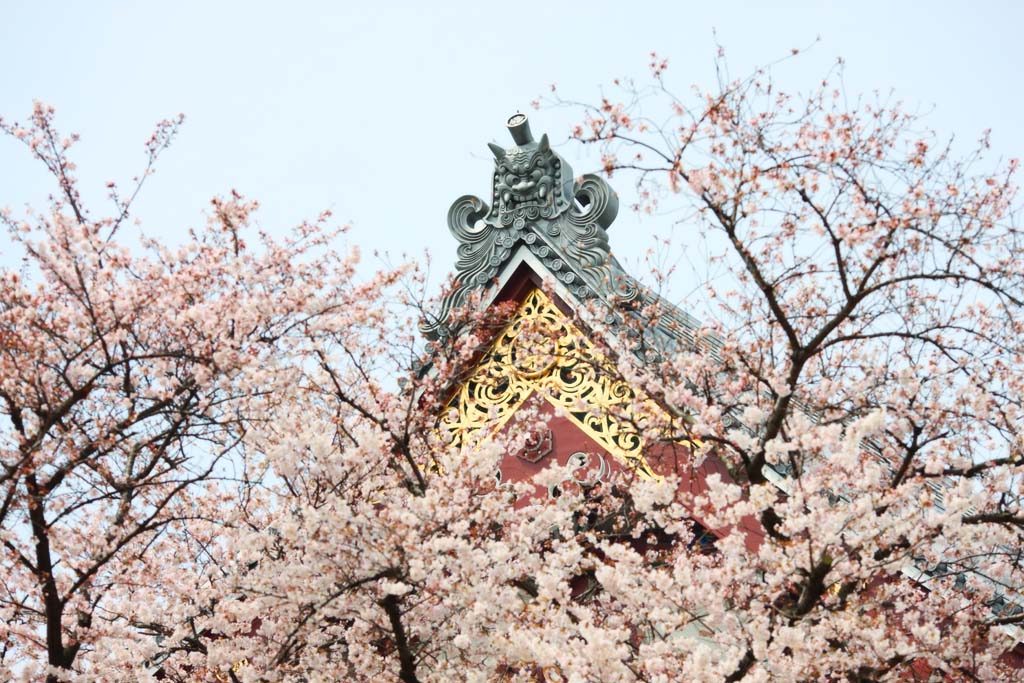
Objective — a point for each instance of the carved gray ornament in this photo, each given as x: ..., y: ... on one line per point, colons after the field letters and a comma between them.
x: 535, y: 201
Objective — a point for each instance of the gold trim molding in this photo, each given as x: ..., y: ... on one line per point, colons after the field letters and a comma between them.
x: 542, y: 352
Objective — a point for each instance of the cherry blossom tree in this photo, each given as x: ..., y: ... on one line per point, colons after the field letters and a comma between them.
x: 224, y: 461
x: 859, y: 383
x: 861, y: 376
x: 130, y: 374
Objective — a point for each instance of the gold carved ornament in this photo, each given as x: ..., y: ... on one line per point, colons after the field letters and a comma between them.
x: 225, y: 677
x: 541, y: 351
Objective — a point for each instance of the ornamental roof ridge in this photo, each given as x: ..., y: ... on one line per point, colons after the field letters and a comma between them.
x: 536, y: 202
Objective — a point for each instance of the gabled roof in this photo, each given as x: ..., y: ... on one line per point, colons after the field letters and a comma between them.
x: 543, y: 219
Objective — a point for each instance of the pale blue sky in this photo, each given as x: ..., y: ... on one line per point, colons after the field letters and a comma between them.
x: 381, y: 110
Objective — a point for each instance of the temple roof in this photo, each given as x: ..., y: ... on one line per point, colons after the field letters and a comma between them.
x: 543, y: 218
x: 541, y: 215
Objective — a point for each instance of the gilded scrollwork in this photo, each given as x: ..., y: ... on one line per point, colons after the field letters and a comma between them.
x: 542, y: 352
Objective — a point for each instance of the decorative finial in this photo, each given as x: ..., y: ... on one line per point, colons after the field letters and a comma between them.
x: 533, y: 209
x: 519, y: 126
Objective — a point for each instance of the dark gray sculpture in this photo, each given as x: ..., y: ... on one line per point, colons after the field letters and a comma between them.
x: 536, y: 201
